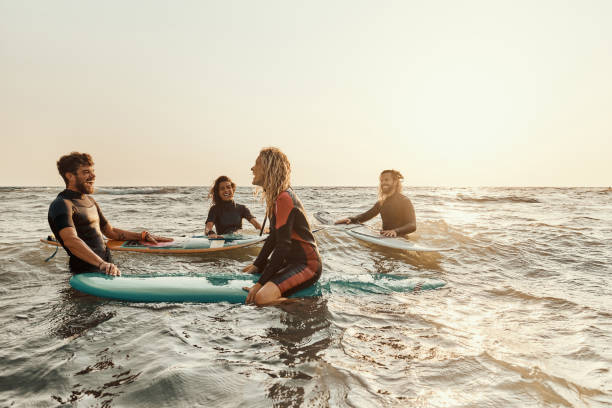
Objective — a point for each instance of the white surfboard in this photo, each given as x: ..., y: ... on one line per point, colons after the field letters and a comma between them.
x: 368, y: 234
x: 365, y: 234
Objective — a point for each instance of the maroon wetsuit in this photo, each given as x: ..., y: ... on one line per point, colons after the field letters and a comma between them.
x: 295, y: 263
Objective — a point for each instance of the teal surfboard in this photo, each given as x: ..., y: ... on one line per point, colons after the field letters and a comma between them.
x: 227, y: 288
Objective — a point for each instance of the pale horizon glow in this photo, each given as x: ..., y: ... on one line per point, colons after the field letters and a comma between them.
x: 473, y: 93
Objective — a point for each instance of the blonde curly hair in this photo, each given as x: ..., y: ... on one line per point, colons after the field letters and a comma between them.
x: 397, y: 184
x: 277, y: 175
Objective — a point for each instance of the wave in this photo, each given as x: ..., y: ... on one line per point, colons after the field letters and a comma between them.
x: 505, y: 199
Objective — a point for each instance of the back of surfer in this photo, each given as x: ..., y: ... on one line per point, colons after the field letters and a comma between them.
x: 395, y: 209
x: 78, y: 223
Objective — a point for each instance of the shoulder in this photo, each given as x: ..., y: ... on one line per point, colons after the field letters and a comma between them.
x: 402, y: 197
x: 285, y: 198
x: 404, y: 200
x: 242, y: 207
x: 58, y: 205
x: 285, y: 202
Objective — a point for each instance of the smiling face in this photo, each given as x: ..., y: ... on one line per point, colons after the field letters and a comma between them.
x: 226, y: 191
x: 83, y: 180
x: 387, y: 183
x: 258, y: 172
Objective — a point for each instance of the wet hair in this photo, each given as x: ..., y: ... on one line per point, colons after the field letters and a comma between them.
x: 277, y: 175
x: 213, y: 193
x: 397, y: 183
x: 70, y: 163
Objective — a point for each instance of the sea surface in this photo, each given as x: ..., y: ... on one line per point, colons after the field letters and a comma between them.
x: 524, y: 320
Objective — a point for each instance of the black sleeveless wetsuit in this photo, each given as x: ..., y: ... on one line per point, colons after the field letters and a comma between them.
x: 397, y: 214
x: 80, y: 211
x: 228, y: 216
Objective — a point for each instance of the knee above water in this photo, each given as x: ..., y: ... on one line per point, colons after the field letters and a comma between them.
x: 262, y: 299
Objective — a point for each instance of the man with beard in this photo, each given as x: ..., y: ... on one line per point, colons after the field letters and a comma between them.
x: 77, y: 221
x: 395, y: 209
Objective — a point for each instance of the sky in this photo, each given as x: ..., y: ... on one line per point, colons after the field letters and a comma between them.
x: 450, y: 93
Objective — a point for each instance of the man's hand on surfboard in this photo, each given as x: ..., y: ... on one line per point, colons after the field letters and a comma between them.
x: 389, y: 233
x: 343, y: 221
x: 109, y: 269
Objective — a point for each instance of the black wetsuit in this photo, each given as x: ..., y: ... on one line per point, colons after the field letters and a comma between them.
x: 80, y: 211
x: 228, y: 216
x: 396, y: 211
x: 295, y: 263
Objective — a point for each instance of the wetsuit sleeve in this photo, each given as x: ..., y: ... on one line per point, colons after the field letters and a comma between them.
x: 368, y: 215
x: 211, y: 214
x: 246, y: 214
x: 408, y: 211
x: 266, y: 250
x: 103, y: 220
x: 285, y: 217
x: 60, y: 216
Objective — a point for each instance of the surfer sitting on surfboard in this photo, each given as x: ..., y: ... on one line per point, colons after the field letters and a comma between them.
x: 295, y: 263
x: 77, y: 221
x: 395, y: 209
x: 225, y: 214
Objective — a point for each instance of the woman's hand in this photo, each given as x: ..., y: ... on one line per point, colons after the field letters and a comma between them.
x: 252, y: 292
x: 154, y: 239
x: 250, y: 269
x: 343, y: 221
x: 389, y: 233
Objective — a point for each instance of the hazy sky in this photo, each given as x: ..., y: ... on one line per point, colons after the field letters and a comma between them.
x: 451, y: 93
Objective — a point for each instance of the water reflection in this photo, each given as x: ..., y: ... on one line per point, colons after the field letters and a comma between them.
x: 76, y: 313
x: 72, y: 317
x: 306, y: 333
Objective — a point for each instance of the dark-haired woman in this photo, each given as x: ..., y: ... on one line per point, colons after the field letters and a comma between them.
x: 226, y: 215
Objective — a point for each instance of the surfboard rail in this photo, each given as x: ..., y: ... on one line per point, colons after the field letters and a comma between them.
x: 191, y: 245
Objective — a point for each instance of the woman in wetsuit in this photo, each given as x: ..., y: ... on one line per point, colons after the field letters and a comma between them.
x: 225, y: 214
x: 295, y: 263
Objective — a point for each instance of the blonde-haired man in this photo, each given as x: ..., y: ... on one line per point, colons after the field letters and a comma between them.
x: 395, y: 209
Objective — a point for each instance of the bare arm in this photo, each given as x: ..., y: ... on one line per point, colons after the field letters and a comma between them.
x: 209, y: 232
x: 121, y: 235
x: 80, y: 249
x: 255, y: 223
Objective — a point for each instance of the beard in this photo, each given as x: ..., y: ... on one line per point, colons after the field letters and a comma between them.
x: 386, y: 189
x: 84, y: 188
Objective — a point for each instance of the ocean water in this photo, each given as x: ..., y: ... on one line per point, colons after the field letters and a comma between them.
x: 525, y: 318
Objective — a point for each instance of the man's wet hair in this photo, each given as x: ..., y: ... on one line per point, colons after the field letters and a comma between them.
x: 70, y: 163
x: 396, y: 174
